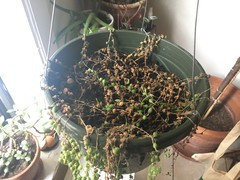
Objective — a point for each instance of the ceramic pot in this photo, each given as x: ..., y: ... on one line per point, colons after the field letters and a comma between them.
x: 124, y: 13
x: 31, y: 171
x: 206, y: 140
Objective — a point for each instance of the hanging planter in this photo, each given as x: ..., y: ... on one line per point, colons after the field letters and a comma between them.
x: 125, y: 13
x: 162, y: 58
x: 214, y: 129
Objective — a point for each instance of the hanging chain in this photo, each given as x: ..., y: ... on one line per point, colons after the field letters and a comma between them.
x: 144, y: 16
x: 50, y: 30
x: 194, y: 49
x: 193, y: 72
x: 42, y: 82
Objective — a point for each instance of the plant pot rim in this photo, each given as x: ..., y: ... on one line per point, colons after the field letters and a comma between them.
x: 124, y: 6
x: 107, y: 14
x: 36, y: 157
x: 206, y: 130
x: 163, y: 139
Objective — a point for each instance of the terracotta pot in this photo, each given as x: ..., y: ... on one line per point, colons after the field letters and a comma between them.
x: 30, y: 172
x: 124, y: 13
x: 208, y: 140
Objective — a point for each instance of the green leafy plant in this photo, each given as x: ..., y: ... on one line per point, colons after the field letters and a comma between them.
x: 17, y: 149
x: 84, y: 23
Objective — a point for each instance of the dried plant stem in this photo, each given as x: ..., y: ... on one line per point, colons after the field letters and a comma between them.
x: 173, y: 164
x: 229, y: 78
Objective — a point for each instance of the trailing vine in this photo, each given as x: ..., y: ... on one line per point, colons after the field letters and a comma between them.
x: 122, y: 96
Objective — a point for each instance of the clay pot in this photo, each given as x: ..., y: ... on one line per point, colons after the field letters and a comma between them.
x: 124, y: 13
x: 31, y: 171
x: 208, y: 140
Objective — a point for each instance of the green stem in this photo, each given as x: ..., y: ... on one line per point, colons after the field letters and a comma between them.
x: 10, y: 144
x: 103, y: 23
x: 68, y: 29
x: 88, y: 21
x: 94, y: 27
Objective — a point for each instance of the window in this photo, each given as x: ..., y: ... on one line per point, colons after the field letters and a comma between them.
x: 6, y: 101
x: 20, y: 62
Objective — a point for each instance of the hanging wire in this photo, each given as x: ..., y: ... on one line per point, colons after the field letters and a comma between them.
x: 194, y: 48
x: 42, y: 82
x: 193, y: 72
x: 144, y: 16
x: 173, y: 164
x: 50, y: 29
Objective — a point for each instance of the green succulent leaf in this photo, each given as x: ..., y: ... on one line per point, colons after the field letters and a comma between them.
x: 6, y: 170
x: 68, y: 29
x: 8, y: 162
x: 1, y: 162
x: 2, y: 119
x: 28, y: 158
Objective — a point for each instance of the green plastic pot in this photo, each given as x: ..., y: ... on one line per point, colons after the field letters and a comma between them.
x: 172, y: 57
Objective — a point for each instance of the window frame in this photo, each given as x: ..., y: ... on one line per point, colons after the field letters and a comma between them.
x: 6, y: 101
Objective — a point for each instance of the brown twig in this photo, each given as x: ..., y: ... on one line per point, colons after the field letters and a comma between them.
x: 229, y: 78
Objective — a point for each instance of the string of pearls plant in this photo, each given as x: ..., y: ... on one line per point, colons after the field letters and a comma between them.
x: 122, y: 96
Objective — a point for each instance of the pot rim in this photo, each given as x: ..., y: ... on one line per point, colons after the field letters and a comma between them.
x: 124, y: 6
x: 36, y: 157
x: 233, y: 87
x: 205, y: 130
x: 107, y: 14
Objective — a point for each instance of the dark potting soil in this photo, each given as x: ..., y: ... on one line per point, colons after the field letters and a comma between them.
x: 219, y: 120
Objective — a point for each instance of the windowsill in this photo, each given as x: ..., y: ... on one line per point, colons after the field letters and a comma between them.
x: 49, y: 163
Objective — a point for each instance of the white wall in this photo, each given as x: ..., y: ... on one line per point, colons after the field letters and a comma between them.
x: 218, y: 33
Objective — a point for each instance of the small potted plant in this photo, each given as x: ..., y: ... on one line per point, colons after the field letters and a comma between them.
x: 125, y: 12
x: 19, y: 150
x: 84, y: 23
x: 121, y: 100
